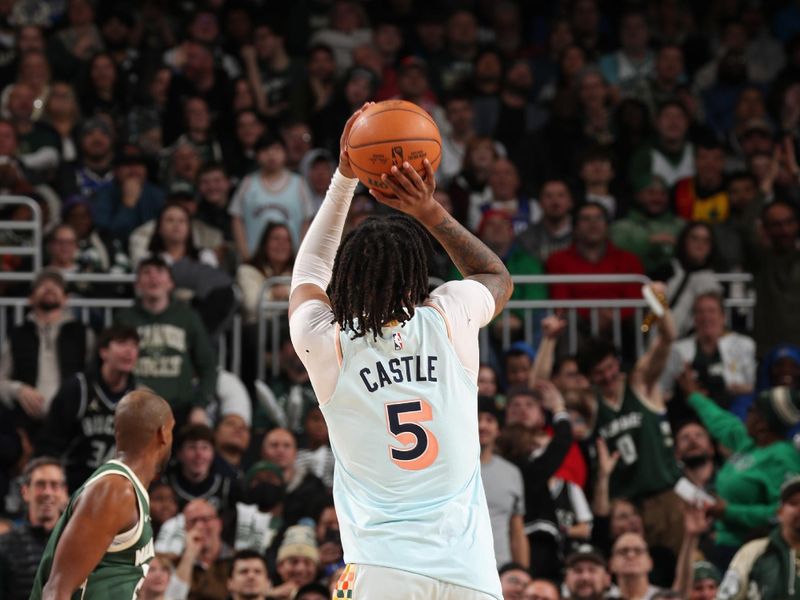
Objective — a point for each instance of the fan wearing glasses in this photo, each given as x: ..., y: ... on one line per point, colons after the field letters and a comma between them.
x: 631, y: 564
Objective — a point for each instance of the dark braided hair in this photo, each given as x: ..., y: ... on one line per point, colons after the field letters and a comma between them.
x: 380, y: 274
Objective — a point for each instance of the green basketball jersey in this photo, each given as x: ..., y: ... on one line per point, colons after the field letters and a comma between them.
x: 643, y: 438
x: 124, y: 565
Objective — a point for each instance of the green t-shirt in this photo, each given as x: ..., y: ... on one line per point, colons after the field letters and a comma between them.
x: 123, y: 567
x: 644, y: 440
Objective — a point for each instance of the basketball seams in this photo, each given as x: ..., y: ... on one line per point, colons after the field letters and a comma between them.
x: 414, y: 139
x: 379, y: 173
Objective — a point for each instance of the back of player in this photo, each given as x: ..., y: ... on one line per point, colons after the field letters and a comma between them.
x: 124, y: 565
x: 404, y: 429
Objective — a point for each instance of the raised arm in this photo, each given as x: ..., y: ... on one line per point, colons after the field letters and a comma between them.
x: 651, y: 365
x: 552, y: 327
x: 414, y: 196
x: 103, y: 510
x: 313, y: 266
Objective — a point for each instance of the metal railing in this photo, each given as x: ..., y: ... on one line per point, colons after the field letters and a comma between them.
x: 34, y: 225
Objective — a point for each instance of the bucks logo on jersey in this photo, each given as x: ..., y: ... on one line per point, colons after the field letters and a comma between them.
x: 120, y: 572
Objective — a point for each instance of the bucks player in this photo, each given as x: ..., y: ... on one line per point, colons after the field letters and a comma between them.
x: 100, y: 547
x: 80, y: 423
x: 395, y: 372
x: 632, y: 419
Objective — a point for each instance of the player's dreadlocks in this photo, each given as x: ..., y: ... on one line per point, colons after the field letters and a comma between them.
x: 380, y: 274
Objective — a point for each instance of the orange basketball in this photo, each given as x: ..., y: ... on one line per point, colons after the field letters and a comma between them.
x: 390, y: 133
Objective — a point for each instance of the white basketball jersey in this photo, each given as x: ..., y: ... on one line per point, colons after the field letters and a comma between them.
x: 403, y: 426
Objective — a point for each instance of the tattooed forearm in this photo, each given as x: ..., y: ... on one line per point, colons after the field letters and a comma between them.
x: 472, y: 257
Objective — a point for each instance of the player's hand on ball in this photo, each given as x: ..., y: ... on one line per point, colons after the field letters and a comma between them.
x: 412, y: 194
x: 344, y: 160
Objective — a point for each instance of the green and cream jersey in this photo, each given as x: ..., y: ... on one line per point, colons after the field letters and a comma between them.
x: 120, y: 572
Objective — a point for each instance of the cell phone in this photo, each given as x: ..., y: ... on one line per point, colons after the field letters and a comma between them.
x: 692, y: 494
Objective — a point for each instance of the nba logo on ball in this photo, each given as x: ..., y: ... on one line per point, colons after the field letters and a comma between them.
x: 398, y: 341
x: 397, y: 156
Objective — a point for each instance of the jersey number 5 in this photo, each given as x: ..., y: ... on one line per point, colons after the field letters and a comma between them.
x: 420, y: 446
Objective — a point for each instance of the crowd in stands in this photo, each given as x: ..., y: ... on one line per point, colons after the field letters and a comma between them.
x: 189, y: 144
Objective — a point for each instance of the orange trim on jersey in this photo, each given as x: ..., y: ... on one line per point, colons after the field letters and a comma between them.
x: 444, y: 316
x: 346, y: 583
x: 338, y: 343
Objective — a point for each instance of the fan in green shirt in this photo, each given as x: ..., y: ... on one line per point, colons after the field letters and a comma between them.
x: 650, y: 229
x: 749, y: 482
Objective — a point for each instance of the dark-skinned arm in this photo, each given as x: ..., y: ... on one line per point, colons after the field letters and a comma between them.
x: 474, y: 260
x: 105, y: 509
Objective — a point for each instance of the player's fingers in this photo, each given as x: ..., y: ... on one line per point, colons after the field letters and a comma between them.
x: 430, y: 176
x: 396, y: 184
x: 402, y: 177
x: 389, y: 201
x: 414, y: 177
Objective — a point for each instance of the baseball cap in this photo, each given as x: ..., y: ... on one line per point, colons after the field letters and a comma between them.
x: 181, y: 189
x: 702, y: 569
x: 789, y: 487
x: 95, y: 123
x: 522, y: 347
x: 261, y: 466
x: 586, y: 552
x: 299, y: 541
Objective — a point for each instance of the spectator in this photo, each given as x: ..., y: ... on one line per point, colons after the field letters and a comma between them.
x: 273, y: 257
x: 39, y: 144
x: 297, y: 560
x: 748, y: 485
x: 586, y: 576
x: 249, y: 579
x: 650, y: 229
x: 270, y: 194
x: 298, y: 142
x: 348, y: 30
x: 329, y: 538
x: 174, y: 345
x: 303, y: 488
x: 504, y: 492
x: 776, y: 278
x: 671, y: 156
x: 725, y: 361
x: 105, y: 90
x: 703, y: 197
x: 592, y: 253
x: 314, y: 92
x: 630, y: 564
x: 205, y: 239
x: 461, y: 49
x: 705, y: 581
x: 316, y: 456
x: 596, y: 172
x: 460, y: 114
x: 514, y: 579
x: 79, y: 426
x: 44, y: 491
x: 469, y: 188
x: 664, y: 82
x: 690, y: 272
x: 63, y: 114
x: 506, y: 196
x: 45, y: 350
x: 198, y: 473
x: 240, y: 159
x: 739, y: 233
x: 163, y: 582
x: 163, y: 504
x: 554, y: 231
x: 694, y: 451
x: 541, y: 589
x: 196, y: 273
x: 631, y: 418
x: 212, y: 557
x: 213, y: 189
x: 72, y: 47
x: 634, y: 60
x: 317, y: 168
x: 232, y: 439
x: 129, y: 200
x: 92, y: 168
x: 181, y: 163
x: 763, y: 567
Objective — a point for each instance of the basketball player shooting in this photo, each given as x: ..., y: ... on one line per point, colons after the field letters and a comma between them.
x: 395, y: 372
x: 100, y: 547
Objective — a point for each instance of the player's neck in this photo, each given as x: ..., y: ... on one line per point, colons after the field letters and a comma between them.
x: 145, y: 470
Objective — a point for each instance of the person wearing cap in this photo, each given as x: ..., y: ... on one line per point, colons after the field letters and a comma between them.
x: 129, y: 199
x: 748, y: 484
x: 781, y: 366
x: 93, y: 167
x: 297, y: 561
x: 43, y: 351
x: 767, y: 568
x: 650, y: 228
x: 272, y: 193
x: 175, y: 347
x: 705, y: 581
x: 502, y: 482
x: 703, y: 197
x: 586, y: 575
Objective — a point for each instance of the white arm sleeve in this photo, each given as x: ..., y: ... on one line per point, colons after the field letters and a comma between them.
x: 314, y: 262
